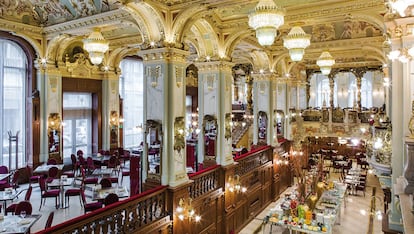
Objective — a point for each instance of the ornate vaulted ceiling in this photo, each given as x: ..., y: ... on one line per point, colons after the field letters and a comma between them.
x: 352, y: 30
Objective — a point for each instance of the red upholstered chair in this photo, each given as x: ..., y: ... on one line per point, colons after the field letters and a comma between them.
x: 49, y: 220
x: 14, y: 182
x: 89, y: 206
x: 75, y: 166
x: 90, y: 164
x: 88, y: 180
x: 51, y: 161
x: 52, y: 174
x: 47, y: 193
x: 82, y: 161
x: 105, y: 183
x: 32, y: 178
x: 110, y: 199
x: 124, y: 173
x: 12, y: 207
x: 71, y: 192
x: 4, y: 170
x: 23, y: 206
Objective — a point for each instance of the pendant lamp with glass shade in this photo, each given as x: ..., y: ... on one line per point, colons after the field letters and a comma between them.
x: 296, y: 42
x: 325, y: 62
x: 266, y: 18
x: 96, y: 45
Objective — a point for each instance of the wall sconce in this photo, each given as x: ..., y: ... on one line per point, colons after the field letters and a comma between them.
x: 155, y: 74
x: 234, y: 185
x: 210, y: 81
x: 179, y: 131
x: 54, y: 121
x: 113, y: 119
x: 185, y: 210
x: 179, y: 72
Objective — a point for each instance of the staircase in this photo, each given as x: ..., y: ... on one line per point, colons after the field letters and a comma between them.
x: 239, y: 130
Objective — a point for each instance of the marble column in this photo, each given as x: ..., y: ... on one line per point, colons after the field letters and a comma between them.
x: 359, y: 73
x: 165, y: 103
x: 331, y: 93
x: 216, y: 88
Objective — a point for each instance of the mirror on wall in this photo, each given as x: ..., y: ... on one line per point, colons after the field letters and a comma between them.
x: 210, y: 133
x: 262, y: 126
x: 54, y: 123
x: 279, y: 120
x: 154, y: 141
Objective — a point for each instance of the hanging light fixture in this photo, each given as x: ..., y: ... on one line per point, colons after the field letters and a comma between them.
x: 266, y: 19
x: 96, y: 45
x: 296, y: 41
x: 325, y: 62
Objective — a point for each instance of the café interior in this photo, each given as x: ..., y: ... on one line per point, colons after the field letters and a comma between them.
x: 206, y: 116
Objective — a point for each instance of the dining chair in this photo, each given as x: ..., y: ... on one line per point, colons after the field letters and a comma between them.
x: 32, y: 178
x: 4, y: 170
x: 71, y: 192
x: 14, y: 183
x: 82, y: 161
x: 49, y: 220
x: 105, y: 183
x: 51, y: 161
x: 12, y: 207
x: 110, y: 199
x: 52, y: 174
x: 79, y: 153
x: 91, y: 206
x: 90, y: 164
x: 124, y: 173
x: 23, y: 206
x: 88, y: 180
x: 45, y: 193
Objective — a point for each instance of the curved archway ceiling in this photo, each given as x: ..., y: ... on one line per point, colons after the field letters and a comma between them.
x: 342, y: 26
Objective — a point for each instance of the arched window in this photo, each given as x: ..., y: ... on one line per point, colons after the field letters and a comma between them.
x: 13, y: 80
x: 131, y: 89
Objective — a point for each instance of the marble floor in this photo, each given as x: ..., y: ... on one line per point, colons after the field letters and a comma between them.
x: 352, y: 220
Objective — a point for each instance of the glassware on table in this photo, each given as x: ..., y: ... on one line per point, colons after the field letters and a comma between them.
x: 23, y: 214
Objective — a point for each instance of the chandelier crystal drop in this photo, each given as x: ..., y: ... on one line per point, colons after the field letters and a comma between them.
x: 296, y: 41
x: 96, y: 45
x: 266, y: 19
x: 325, y: 62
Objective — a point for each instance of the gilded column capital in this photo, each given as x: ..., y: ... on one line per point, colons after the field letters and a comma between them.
x: 165, y: 54
x: 205, y: 67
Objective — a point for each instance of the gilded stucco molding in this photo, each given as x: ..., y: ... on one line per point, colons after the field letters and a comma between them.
x: 207, y: 67
x: 164, y: 54
x: 76, y: 26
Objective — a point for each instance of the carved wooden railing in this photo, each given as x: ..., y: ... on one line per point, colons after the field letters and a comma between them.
x: 142, y: 213
x: 204, y: 181
x: 252, y: 159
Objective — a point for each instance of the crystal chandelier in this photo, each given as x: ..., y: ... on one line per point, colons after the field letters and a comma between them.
x: 325, y: 62
x: 296, y: 41
x: 266, y: 19
x: 96, y: 45
x: 400, y: 6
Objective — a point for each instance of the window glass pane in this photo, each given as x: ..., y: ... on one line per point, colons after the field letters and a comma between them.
x: 77, y: 119
x: 13, y: 104
x: 131, y: 90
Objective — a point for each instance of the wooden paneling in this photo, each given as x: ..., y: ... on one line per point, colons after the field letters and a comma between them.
x: 221, y: 211
x: 94, y: 87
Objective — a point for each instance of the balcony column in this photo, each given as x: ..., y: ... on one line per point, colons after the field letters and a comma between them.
x: 164, y: 102
x: 215, y: 79
x: 359, y: 73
